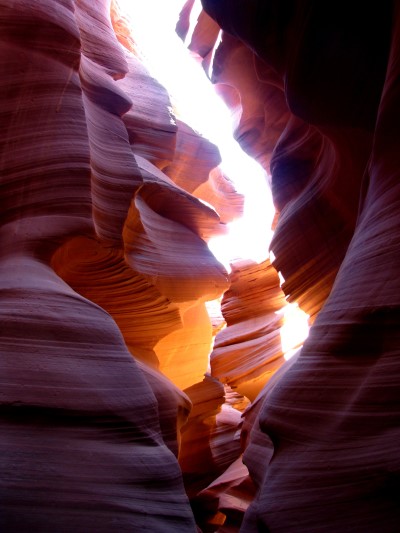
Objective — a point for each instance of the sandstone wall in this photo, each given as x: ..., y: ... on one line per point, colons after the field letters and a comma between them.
x: 322, y: 80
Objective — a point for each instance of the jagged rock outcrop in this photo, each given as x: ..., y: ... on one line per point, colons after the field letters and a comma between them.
x: 332, y: 418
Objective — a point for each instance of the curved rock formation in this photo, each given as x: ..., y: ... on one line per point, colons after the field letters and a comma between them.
x: 248, y: 351
x: 93, y: 280
x: 150, y: 123
x: 80, y: 434
x: 111, y: 416
x: 333, y: 416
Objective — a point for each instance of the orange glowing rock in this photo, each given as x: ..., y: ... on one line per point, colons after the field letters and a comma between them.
x: 90, y: 434
x: 248, y: 351
x: 183, y: 354
x: 101, y: 274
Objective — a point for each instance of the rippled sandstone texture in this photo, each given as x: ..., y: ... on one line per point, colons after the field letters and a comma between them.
x: 248, y: 351
x: 104, y: 276
x: 324, y: 451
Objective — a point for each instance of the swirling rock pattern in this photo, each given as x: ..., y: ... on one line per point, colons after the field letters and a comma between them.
x: 150, y: 123
x: 92, y: 287
x: 105, y: 275
x: 75, y: 455
x: 332, y: 417
x: 248, y: 351
x: 195, y: 157
x: 220, y: 192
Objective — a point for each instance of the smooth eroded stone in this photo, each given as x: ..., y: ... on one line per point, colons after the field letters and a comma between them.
x: 248, y: 351
x: 332, y: 416
x: 81, y: 447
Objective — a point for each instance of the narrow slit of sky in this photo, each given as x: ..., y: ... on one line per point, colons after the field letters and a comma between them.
x: 153, y: 25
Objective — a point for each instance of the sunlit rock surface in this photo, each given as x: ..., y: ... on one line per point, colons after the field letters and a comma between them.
x: 104, y: 277
x: 113, y: 416
x: 323, y: 452
x: 220, y: 192
x: 194, y: 159
x: 150, y: 122
x: 248, y: 351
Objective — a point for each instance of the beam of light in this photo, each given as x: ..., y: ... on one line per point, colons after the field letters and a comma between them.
x: 294, y: 330
x: 197, y: 103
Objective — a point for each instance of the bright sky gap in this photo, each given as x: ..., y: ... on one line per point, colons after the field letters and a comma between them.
x: 192, y: 94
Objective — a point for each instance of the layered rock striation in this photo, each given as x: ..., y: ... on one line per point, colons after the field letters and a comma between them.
x: 105, y: 273
x: 332, y: 417
x: 112, y: 413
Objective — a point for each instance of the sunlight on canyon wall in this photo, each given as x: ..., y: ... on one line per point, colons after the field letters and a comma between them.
x: 146, y: 384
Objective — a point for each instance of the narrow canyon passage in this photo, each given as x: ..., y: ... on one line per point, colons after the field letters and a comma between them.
x: 166, y: 240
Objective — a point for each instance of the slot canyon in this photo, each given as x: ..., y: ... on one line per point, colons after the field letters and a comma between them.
x: 144, y: 385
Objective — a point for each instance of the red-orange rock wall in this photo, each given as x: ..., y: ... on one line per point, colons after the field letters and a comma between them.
x: 104, y: 276
x: 111, y: 417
